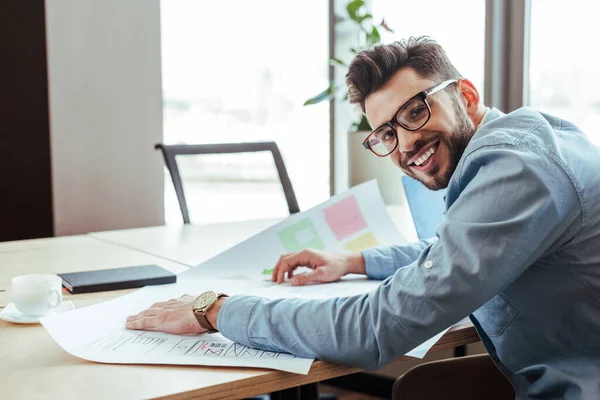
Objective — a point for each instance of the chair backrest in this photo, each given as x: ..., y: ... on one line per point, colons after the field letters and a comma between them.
x: 171, y: 151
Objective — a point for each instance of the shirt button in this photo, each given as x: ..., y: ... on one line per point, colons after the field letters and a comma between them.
x: 428, y: 264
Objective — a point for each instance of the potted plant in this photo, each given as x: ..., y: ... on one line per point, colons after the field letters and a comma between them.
x: 357, y: 15
x: 363, y: 165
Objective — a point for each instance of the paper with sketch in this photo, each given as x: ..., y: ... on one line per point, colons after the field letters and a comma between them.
x: 351, y: 221
x: 348, y: 222
x: 97, y: 333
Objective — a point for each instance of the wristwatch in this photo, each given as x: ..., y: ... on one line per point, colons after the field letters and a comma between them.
x: 202, y: 304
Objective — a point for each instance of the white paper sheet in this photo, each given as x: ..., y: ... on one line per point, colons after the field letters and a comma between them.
x: 351, y: 221
x: 97, y: 333
x: 348, y: 222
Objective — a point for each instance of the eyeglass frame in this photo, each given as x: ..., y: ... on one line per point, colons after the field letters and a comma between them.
x: 422, y: 95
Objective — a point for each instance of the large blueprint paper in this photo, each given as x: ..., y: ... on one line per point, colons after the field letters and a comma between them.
x: 98, y: 333
x: 350, y: 221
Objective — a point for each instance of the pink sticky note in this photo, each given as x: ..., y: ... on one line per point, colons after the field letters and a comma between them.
x: 344, y: 218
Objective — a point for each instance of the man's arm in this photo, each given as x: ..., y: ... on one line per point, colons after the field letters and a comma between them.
x: 377, y: 263
x: 383, y: 262
x: 514, y: 205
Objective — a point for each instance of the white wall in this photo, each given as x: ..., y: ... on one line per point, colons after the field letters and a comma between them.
x: 104, y: 67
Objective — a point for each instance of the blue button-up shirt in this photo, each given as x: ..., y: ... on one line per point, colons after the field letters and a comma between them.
x: 519, y: 251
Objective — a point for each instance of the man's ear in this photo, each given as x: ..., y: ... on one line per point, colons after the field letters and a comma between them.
x: 469, y: 95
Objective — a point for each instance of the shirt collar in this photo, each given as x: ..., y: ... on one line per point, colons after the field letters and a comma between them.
x: 485, y: 117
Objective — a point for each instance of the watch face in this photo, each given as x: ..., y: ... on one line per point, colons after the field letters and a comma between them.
x: 205, y: 299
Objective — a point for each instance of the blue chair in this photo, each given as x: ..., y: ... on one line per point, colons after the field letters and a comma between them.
x: 426, y: 206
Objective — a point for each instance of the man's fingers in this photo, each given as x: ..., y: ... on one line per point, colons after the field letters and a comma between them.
x: 274, y: 274
x: 290, y: 262
x: 151, y: 312
x: 156, y: 309
x: 143, y: 323
x: 307, y: 277
x: 286, y: 268
x: 285, y: 264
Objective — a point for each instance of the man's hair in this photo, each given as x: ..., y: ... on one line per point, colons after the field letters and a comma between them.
x: 373, y: 67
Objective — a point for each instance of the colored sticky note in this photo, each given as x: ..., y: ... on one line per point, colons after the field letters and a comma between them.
x: 300, y: 236
x: 345, y: 218
x: 362, y: 242
x: 267, y: 271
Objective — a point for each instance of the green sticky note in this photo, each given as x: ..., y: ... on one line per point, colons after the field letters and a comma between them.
x: 300, y: 236
x: 268, y: 271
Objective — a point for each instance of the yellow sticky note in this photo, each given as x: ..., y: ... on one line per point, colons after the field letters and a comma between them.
x: 362, y: 242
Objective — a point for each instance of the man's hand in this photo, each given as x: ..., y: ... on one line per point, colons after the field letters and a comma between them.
x: 326, y: 267
x: 174, y: 316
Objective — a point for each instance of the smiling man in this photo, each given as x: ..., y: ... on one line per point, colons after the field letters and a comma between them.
x: 429, y: 154
x: 518, y: 252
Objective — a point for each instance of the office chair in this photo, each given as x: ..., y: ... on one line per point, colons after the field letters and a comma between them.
x: 469, y: 377
x: 171, y: 151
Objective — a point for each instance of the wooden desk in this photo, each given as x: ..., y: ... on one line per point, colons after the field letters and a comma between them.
x: 193, y: 244
x: 33, y: 366
x: 186, y: 244
x: 68, y: 254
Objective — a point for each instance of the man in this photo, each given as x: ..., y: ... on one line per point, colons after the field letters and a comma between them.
x: 519, y: 249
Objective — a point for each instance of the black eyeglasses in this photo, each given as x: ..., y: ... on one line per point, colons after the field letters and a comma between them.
x: 412, y: 116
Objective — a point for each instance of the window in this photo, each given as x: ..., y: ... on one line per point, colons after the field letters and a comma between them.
x: 238, y: 72
x: 564, y: 79
x: 459, y: 26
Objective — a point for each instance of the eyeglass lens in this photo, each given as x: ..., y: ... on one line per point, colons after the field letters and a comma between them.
x: 383, y: 140
x: 413, y: 115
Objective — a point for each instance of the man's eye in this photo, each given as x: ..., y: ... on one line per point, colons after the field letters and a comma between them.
x: 388, y: 136
x: 417, y: 112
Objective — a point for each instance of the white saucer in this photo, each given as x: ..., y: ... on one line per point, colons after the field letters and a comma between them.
x: 11, y: 314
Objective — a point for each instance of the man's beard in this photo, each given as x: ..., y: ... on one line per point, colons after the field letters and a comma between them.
x: 456, y: 143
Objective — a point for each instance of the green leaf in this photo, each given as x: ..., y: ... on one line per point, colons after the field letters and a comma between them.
x: 374, y: 36
x: 363, y: 124
x: 327, y: 94
x: 353, y: 7
x: 364, y: 18
x: 334, y: 61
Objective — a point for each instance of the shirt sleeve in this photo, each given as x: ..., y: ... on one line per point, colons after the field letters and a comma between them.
x: 382, y: 262
x: 514, y: 206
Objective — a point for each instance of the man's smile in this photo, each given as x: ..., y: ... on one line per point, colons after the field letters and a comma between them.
x: 425, y: 159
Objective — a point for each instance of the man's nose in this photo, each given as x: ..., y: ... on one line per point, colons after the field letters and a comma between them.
x: 407, y: 139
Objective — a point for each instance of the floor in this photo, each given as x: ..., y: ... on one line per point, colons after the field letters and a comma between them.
x: 342, y: 394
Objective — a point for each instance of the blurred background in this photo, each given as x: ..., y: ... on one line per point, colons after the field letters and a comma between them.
x: 91, y: 87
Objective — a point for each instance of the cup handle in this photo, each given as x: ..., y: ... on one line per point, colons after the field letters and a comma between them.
x: 57, y: 298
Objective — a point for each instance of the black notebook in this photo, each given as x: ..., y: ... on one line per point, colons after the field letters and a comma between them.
x: 116, y: 278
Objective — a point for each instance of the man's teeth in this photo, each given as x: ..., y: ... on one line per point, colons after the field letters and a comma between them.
x: 424, y: 157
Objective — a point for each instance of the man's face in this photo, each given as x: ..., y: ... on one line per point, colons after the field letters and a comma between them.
x: 443, y: 138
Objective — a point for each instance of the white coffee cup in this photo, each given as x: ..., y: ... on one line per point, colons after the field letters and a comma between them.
x: 36, y: 295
